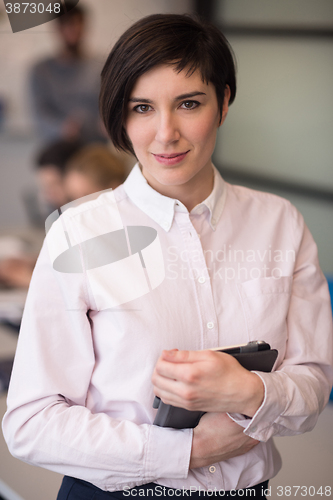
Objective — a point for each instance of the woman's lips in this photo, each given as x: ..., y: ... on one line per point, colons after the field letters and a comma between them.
x: 170, y: 158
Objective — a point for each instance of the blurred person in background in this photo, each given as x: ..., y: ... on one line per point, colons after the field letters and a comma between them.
x: 51, y: 194
x: 16, y: 272
x: 65, y: 172
x: 51, y: 165
x: 65, y: 87
x: 92, y: 169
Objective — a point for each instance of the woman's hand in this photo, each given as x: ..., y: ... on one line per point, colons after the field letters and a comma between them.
x: 216, y: 438
x: 208, y: 381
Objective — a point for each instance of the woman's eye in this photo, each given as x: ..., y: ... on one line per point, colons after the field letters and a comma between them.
x: 142, y: 108
x: 190, y: 104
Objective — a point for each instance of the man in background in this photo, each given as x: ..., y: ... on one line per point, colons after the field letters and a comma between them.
x: 65, y: 88
x: 51, y: 161
x: 66, y: 171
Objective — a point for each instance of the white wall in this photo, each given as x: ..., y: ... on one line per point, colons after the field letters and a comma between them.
x: 288, y: 12
x: 281, y: 122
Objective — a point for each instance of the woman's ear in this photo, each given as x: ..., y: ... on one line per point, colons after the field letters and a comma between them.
x: 225, y: 107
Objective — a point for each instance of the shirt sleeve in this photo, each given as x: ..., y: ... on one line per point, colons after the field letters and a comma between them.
x: 299, y: 389
x: 47, y: 422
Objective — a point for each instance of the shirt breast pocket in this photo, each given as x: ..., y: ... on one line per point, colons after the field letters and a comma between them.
x: 265, y: 304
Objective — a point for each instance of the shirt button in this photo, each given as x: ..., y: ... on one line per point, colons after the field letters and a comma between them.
x: 201, y: 279
x: 210, y: 325
x: 212, y: 469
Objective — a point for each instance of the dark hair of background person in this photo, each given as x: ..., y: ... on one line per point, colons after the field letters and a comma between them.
x: 185, y: 41
x: 73, y: 9
x: 57, y: 154
x: 97, y: 163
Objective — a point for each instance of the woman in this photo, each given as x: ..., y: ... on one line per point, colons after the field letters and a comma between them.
x: 176, y: 259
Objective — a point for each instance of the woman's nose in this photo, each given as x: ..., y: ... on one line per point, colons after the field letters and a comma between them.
x: 167, y: 129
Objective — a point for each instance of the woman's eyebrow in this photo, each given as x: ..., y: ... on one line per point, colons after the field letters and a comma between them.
x: 140, y: 99
x: 189, y: 95
x: 177, y: 98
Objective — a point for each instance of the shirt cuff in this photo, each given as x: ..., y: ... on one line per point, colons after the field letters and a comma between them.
x: 262, y: 425
x: 168, y: 453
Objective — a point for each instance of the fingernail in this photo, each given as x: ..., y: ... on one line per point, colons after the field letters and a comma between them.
x: 171, y: 352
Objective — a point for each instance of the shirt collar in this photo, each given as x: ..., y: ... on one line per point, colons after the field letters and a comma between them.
x: 162, y: 208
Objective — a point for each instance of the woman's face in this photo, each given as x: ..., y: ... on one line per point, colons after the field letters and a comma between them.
x: 172, y: 123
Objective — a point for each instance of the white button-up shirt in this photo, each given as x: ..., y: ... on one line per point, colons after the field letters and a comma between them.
x: 240, y: 266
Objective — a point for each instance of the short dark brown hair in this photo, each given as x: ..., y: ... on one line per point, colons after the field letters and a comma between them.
x: 181, y: 40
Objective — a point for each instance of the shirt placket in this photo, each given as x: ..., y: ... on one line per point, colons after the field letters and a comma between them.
x: 200, y: 279
x: 207, y: 313
x: 214, y: 478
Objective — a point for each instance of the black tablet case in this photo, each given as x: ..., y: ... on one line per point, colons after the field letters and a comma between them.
x: 179, y: 418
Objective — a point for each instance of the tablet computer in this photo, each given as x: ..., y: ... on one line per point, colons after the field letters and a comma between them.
x: 255, y: 355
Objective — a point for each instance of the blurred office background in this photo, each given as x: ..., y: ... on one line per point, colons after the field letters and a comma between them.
x: 278, y: 137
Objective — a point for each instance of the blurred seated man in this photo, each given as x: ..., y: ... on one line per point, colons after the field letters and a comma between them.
x: 65, y: 88
x: 50, y: 168
x: 51, y: 164
x: 66, y: 172
x: 93, y: 169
